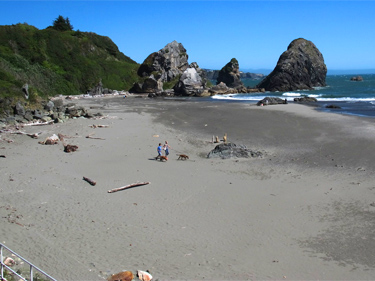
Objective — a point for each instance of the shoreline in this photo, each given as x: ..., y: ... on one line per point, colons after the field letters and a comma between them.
x: 303, y: 211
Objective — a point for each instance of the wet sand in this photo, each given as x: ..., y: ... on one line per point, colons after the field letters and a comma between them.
x: 301, y: 212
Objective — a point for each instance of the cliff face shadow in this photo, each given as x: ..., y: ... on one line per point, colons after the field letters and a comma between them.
x: 349, y: 240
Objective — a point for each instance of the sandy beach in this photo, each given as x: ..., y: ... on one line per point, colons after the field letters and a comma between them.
x: 304, y: 211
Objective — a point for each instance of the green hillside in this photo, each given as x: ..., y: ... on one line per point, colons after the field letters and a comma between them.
x: 54, y: 61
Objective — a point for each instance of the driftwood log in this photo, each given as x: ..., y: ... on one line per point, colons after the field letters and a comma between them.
x: 90, y: 181
x: 128, y: 186
x: 38, y: 123
x: 91, y: 137
x: 99, y: 126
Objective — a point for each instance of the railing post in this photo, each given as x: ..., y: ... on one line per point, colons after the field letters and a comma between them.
x: 1, y: 261
x: 31, y: 272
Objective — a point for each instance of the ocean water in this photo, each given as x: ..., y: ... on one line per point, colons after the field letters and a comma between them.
x: 353, y: 97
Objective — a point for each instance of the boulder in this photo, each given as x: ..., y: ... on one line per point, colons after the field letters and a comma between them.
x: 230, y: 74
x: 356, y: 78
x: 192, y: 82
x: 229, y: 150
x: 271, y: 100
x: 305, y: 99
x: 333, y: 106
x: 300, y: 67
x: 151, y: 85
x: 19, y: 109
x: 220, y: 89
x: 49, y: 106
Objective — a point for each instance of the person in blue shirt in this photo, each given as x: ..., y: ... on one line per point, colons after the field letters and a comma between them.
x: 159, y: 151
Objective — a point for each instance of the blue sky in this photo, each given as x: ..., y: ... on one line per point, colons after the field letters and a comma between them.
x: 256, y: 33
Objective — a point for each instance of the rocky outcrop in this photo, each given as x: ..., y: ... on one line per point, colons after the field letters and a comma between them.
x: 356, y: 78
x: 305, y: 99
x: 231, y: 150
x: 163, y: 66
x: 271, y: 100
x: 221, y: 89
x: 230, y: 74
x: 168, y: 62
x: 192, y: 82
x: 53, y: 111
x: 333, y: 106
x: 250, y: 75
x: 300, y: 67
x: 214, y: 74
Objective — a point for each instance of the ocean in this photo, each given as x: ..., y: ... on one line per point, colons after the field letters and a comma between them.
x: 353, y: 97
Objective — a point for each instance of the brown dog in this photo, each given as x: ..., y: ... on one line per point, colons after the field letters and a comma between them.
x: 182, y: 157
x: 161, y: 158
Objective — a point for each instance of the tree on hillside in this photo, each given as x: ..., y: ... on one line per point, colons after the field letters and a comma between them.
x: 62, y: 24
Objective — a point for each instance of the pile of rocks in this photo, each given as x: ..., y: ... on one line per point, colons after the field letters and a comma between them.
x: 231, y: 150
x: 53, y: 111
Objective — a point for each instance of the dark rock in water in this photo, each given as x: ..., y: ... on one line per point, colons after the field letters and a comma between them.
x: 230, y: 74
x: 305, y: 99
x: 270, y: 101
x: 300, y: 67
x: 229, y: 150
x: 356, y: 78
x: 333, y: 106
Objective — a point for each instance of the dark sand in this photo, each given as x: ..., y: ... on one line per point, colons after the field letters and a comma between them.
x: 302, y: 212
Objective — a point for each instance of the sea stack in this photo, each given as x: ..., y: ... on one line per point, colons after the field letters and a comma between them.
x: 230, y: 74
x: 300, y: 67
x: 166, y: 65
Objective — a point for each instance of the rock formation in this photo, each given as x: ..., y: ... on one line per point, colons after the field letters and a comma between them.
x: 230, y: 74
x: 300, y: 67
x: 160, y: 67
x: 271, y: 100
x: 192, y: 82
x: 356, y: 78
x: 214, y: 74
x: 305, y: 99
x: 231, y: 150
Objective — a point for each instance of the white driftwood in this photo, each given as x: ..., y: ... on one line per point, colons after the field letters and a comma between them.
x: 39, y: 123
x: 128, y: 186
x: 34, y: 136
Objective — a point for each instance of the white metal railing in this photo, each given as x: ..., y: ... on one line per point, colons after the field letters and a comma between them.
x: 30, y: 271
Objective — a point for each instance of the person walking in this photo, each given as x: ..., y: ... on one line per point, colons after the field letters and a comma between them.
x: 166, y: 148
x: 159, y: 151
